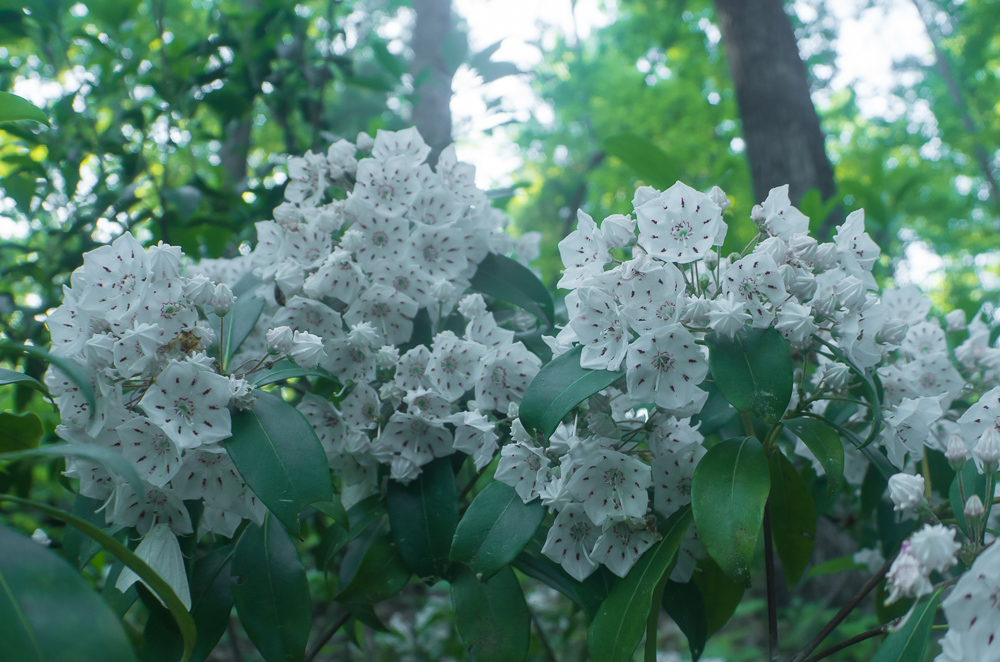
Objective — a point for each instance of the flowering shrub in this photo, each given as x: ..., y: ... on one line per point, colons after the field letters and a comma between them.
x: 377, y: 379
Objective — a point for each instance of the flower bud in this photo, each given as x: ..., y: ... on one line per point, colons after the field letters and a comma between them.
x: 803, y: 248
x: 222, y: 299
x: 352, y: 240
x: 826, y: 256
x: 364, y: 142
x: 974, y: 508
x: 987, y: 449
x: 718, y: 196
x: 443, y: 290
x: 851, y: 292
x: 906, y: 491
x: 307, y: 350
x: 957, y: 453
x: 290, y: 277
x: 363, y: 334
x: 387, y: 356
x: 775, y: 247
x: 836, y: 375
x: 472, y: 306
x: 288, y: 216
x: 618, y: 230
x: 893, y: 331
x: 200, y: 290
x: 711, y: 259
x: 935, y: 547
x: 513, y: 409
x: 241, y: 393
x: 279, y: 340
x: 955, y: 320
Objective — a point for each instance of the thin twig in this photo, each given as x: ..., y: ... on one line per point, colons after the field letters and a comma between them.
x: 772, y: 596
x: 541, y: 637
x: 874, y: 632
x: 844, y: 611
x: 327, y: 636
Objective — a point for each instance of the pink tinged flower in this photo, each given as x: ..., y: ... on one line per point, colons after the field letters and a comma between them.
x: 524, y: 467
x: 612, y: 485
x: 671, y: 477
x: 387, y: 186
x: 162, y: 552
x: 756, y: 280
x: 504, y: 375
x: 453, y: 364
x: 666, y: 367
x: 727, y: 315
x: 973, y: 608
x: 935, y: 547
x: 601, y: 330
x: 390, y: 311
x: 189, y: 404
x: 907, y: 576
x: 156, y: 505
x: 781, y: 219
x: 339, y: 277
x: 144, y: 444
x: 407, y: 143
x: 621, y: 544
x: 570, y: 540
x: 680, y: 225
x: 584, y: 253
x: 651, y: 298
x: 384, y: 238
x: 360, y: 408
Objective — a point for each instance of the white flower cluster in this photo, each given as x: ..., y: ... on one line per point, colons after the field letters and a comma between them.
x: 351, y: 279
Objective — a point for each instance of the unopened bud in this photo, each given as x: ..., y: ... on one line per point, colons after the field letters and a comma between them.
x: 222, y: 299
x: 893, y: 331
x: 758, y: 217
x: 955, y: 320
x: 718, y: 196
x: 906, y: 491
x: 974, y: 508
x: 956, y: 452
x: 711, y: 259
x: 364, y: 142
x: 987, y: 449
x: 826, y: 256
x: 279, y: 340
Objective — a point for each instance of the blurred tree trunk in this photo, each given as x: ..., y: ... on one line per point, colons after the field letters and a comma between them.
x: 432, y: 74
x: 784, y: 141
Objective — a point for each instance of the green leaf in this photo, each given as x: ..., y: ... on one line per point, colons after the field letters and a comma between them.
x: 871, y: 387
x: 423, y: 516
x: 834, y: 566
x: 211, y: 605
x: 492, y: 617
x: 753, y: 371
x: 78, y: 548
x: 73, y: 371
x: 283, y: 370
x: 973, y: 483
x: 793, y: 518
x: 271, y: 592
x: 334, y: 509
x: 620, y: 622
x: 728, y: 492
x: 13, y: 108
x: 873, y: 453
x: 234, y: 328
x: 14, y: 377
x: 505, y: 279
x: 48, y: 611
x: 184, y: 199
x: 910, y: 641
x: 126, y: 556
x: 683, y: 603
x: 825, y: 444
x: 112, y: 461
x: 559, y: 386
x: 648, y: 161
x: 720, y: 595
x: 277, y: 453
x: 19, y: 432
x: 589, y: 593
x: 381, y: 574
x: 494, y: 529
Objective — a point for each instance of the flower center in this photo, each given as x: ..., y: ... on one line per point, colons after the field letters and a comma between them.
x: 185, y: 408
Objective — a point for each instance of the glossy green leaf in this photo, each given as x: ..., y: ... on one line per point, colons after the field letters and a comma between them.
x: 589, y: 593
x: 283, y: 370
x: 683, y: 603
x: 423, y: 516
x: 334, y: 509
x: 14, y: 377
x: 19, y: 432
x: 492, y: 617
x: 728, y: 492
x: 48, y: 611
x: 73, y: 371
x: 753, y: 371
x: 825, y: 444
x: 211, y: 606
x: 78, y: 547
x: 972, y: 482
x: 874, y: 454
x: 271, y: 592
x: 910, y: 641
x: 494, y: 529
x: 113, y: 461
x: 126, y: 556
x: 793, y: 518
x: 649, y: 162
x: 237, y: 324
x: 720, y: 595
x: 381, y: 574
x: 619, y: 624
x: 13, y: 108
x: 502, y: 278
x: 559, y: 386
x: 277, y: 453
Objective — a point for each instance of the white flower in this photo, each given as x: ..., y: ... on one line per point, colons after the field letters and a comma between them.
x: 651, y: 293
x: 935, y: 547
x: 921, y: 339
x: 621, y: 544
x: 907, y: 427
x: 161, y: 551
x: 411, y: 371
x: 906, y: 491
x: 756, y: 280
x: 601, y: 330
x: 387, y: 186
x: 781, y: 219
x: 907, y: 576
x: 472, y: 306
x: 795, y: 322
x: 671, y: 476
x: 156, y: 458
x: 505, y: 374
x: 584, y: 253
x: 209, y: 475
x: 390, y: 311
x: 453, y: 364
x: 415, y: 438
x: 522, y: 466
x: 475, y: 435
x: 570, y: 540
x: 407, y: 143
x: 307, y: 350
x: 955, y: 320
x: 680, y: 225
x: 611, y: 485
x: 971, y: 608
x: 666, y: 367
x: 279, y: 340
x: 189, y: 405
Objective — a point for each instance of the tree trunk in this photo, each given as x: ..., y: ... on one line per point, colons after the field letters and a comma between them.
x: 784, y: 142
x: 432, y: 74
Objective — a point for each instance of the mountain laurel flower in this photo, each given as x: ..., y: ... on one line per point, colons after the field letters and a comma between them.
x: 570, y: 541
x: 222, y: 299
x: 666, y: 367
x: 974, y: 508
x: 893, y: 331
x: 190, y: 404
x: 727, y: 316
x: 680, y: 225
x: 957, y: 452
x: 200, y: 290
x: 718, y: 196
x: 279, y: 340
x: 973, y: 619
x: 795, y: 322
x: 612, y: 485
x: 987, y: 450
x: 241, y: 393
x: 935, y: 547
x: 162, y: 552
x: 307, y: 350
x: 906, y: 491
x: 955, y: 321
x: 907, y: 577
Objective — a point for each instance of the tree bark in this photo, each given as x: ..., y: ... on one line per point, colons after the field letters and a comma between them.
x: 432, y: 74
x: 784, y: 141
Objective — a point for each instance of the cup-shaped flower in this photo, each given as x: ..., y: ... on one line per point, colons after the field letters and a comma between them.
x: 189, y: 404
